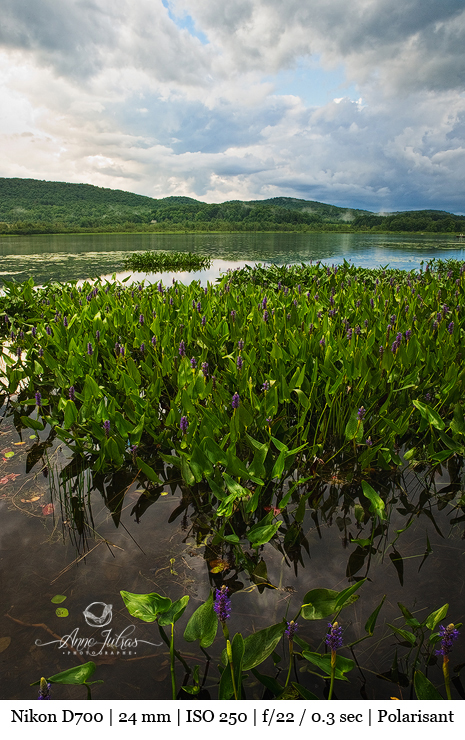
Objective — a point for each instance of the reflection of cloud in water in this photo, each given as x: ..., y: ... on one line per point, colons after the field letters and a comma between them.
x: 71, y: 257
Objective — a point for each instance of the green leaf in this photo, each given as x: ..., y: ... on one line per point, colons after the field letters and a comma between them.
x: 304, y: 693
x: 175, y: 611
x: 404, y: 635
x: 429, y: 414
x: 186, y: 472
x: 58, y: 599
x: 203, y: 624
x: 343, y: 665
x: 352, y: 426
x: 71, y: 414
x: 148, y: 471
x: 321, y: 602
x: 371, y: 621
x: 32, y: 423
x: 259, y: 645
x: 74, y: 676
x: 435, y: 617
x: 226, y: 690
x: 347, y: 593
x: 409, y: 618
x: 145, y: 606
x: 9, y: 454
x: 377, y: 503
x: 424, y: 689
x: 61, y: 612
x: 261, y: 535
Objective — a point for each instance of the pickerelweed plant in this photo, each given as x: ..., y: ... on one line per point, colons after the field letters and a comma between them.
x: 77, y: 676
x: 248, y: 662
x: 141, y: 376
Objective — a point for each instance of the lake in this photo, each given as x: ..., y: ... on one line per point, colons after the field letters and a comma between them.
x: 77, y: 257
x: 85, y: 536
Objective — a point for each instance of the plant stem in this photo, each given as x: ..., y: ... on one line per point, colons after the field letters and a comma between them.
x: 231, y: 665
x: 173, y: 675
x: 333, y: 673
x: 445, y: 670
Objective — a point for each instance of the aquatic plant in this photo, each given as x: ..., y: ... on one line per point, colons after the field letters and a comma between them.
x: 309, y: 392
x: 167, y: 261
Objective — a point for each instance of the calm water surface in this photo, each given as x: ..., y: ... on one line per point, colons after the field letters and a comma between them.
x: 67, y: 257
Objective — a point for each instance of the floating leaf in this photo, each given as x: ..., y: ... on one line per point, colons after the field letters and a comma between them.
x: 58, y: 599
x: 9, y: 454
x: 47, y: 509
x: 61, y: 612
x: 4, y: 642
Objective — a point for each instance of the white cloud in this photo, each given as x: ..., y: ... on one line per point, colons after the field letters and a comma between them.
x: 117, y: 94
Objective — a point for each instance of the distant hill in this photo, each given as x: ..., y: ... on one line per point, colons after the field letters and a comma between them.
x: 39, y: 206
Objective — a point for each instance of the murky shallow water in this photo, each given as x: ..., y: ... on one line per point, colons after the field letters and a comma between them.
x: 112, y: 536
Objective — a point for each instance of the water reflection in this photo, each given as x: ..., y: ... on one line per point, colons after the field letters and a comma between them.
x: 87, y: 536
x: 76, y: 257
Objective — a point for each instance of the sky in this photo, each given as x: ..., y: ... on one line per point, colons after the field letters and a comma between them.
x: 358, y: 104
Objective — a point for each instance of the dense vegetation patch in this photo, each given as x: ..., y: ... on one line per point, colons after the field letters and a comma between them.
x: 164, y: 261
x: 40, y: 207
x: 244, y: 378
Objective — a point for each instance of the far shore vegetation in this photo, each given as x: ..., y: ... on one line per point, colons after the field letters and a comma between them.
x: 39, y: 207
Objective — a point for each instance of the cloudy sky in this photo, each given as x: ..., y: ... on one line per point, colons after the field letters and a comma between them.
x: 358, y: 104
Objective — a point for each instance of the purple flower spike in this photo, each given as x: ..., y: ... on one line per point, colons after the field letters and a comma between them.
x: 182, y: 348
x: 266, y: 386
x: 44, y: 689
x: 448, y: 636
x: 222, y: 604
x: 239, y: 363
x: 90, y: 351
x: 205, y: 369
x: 141, y: 319
x: 106, y: 428
x: 240, y: 345
x: 204, y: 320
x: 193, y: 363
x: 291, y: 629
x: 450, y: 328
x: 361, y: 413
x: 184, y: 424
x: 265, y: 316
x: 154, y: 341
x: 72, y: 394
x: 334, y: 637
x: 233, y: 314
x: 235, y: 401
x: 142, y: 349
x: 38, y: 399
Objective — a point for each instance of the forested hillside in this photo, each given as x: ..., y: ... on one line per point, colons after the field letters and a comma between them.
x: 37, y: 206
